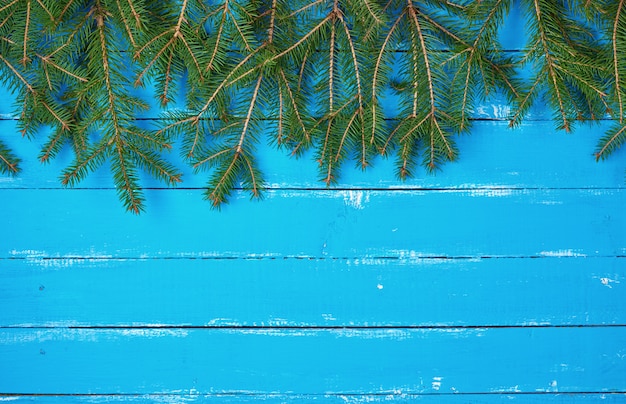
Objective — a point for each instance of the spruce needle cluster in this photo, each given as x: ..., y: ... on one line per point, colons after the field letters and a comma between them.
x: 308, y: 76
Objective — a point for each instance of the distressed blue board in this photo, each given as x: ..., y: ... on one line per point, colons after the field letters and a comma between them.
x: 313, y: 361
x: 396, y: 397
x: 314, y: 223
x: 556, y: 398
x: 70, y: 292
x: 493, y: 155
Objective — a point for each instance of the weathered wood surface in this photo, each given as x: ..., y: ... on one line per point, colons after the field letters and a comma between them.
x: 266, y: 292
x: 492, y: 156
x: 319, y: 223
x: 500, y: 279
x: 396, y: 397
x: 311, y: 361
x: 97, y: 301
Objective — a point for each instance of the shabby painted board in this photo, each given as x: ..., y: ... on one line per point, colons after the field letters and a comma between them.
x: 501, y: 278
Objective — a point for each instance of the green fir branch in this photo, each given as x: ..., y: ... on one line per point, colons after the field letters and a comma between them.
x: 562, y: 53
x: 308, y: 76
x: 612, y: 16
x: 110, y: 117
x: 331, y: 55
x: 9, y: 162
x: 427, y: 121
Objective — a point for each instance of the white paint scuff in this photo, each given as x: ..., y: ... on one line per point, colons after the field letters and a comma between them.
x: 491, y: 192
x: 9, y: 180
x: 28, y: 253
x: 221, y: 254
x: 561, y: 253
x: 367, y: 261
x: 554, y: 385
x: 394, y: 334
x: 512, y: 389
x: 44, y: 259
x: 222, y: 322
x: 355, y: 199
x: 497, y: 111
x: 608, y: 282
x: 86, y: 335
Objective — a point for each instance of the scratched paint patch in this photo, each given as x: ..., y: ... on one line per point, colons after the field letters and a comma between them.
x: 377, y: 262
x: 223, y: 322
x: 395, y: 334
x: 28, y: 253
x: 436, y: 383
x: 43, y: 259
x: 280, y: 333
x: 61, y: 263
x: 608, y: 282
x: 355, y: 199
x: 176, y: 396
x: 408, y: 254
x: 561, y: 253
x: 9, y: 180
x: 491, y: 192
x: 50, y: 324
x: 413, y: 256
x: 510, y: 389
x: 394, y: 395
x: 220, y: 254
x: 497, y: 111
x: 9, y: 337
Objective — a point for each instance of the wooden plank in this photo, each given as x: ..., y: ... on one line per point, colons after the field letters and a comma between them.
x: 323, y: 224
x: 534, y: 155
x: 313, y: 361
x: 560, y: 398
x: 330, y: 293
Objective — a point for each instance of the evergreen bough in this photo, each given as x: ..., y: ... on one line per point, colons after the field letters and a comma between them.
x: 310, y: 75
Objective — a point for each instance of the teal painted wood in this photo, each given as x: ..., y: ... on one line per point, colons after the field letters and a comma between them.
x: 311, y: 293
x: 331, y: 224
x: 397, y: 397
x: 534, y: 155
x: 500, y: 279
x: 313, y: 361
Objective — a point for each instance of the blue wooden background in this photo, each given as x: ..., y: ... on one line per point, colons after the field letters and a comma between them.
x: 502, y: 278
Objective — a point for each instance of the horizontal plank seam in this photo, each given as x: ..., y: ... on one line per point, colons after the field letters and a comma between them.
x: 309, y: 327
x: 307, y: 258
x: 405, y: 189
x: 320, y: 395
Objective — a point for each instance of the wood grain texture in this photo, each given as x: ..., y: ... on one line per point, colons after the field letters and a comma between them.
x: 267, y: 292
x: 318, y: 223
x: 313, y: 361
x: 492, y: 156
x: 499, y: 279
x: 395, y: 397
